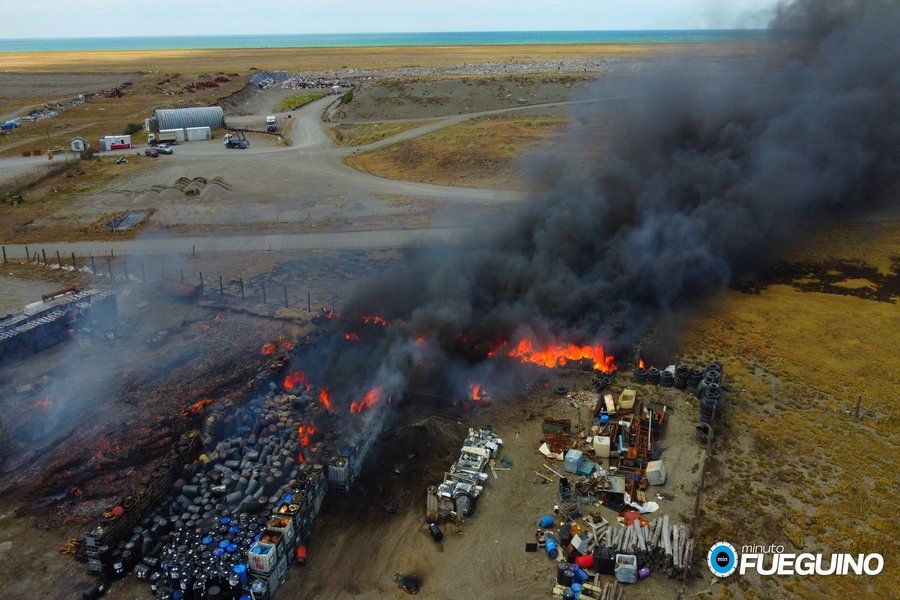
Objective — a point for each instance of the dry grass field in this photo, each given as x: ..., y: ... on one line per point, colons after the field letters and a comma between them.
x: 793, y: 464
x: 307, y: 59
x: 479, y: 153
x: 361, y: 134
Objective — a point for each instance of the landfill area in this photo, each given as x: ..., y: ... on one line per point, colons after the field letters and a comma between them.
x: 588, y: 474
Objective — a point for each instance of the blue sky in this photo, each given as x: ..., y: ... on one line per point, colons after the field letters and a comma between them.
x: 90, y: 18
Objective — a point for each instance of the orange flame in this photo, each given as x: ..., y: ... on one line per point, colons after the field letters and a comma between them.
x: 323, y: 398
x: 295, y: 380
x: 478, y: 392
x: 420, y: 340
x: 350, y: 336
x: 269, y: 348
x: 329, y: 313
x: 369, y: 400
x: 300, y: 458
x: 304, y: 433
x: 559, y: 354
x: 641, y: 363
x: 196, y: 407
x: 45, y: 401
x: 367, y: 319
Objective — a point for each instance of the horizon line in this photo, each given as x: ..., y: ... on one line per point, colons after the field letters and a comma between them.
x: 363, y: 33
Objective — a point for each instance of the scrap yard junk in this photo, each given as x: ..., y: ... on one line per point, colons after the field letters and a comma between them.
x: 53, y: 319
x: 232, y: 507
x: 614, y: 464
x: 457, y: 497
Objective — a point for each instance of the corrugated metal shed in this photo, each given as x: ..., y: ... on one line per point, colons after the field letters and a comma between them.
x: 179, y: 118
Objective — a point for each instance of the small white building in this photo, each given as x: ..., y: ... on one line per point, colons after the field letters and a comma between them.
x: 179, y: 134
x: 78, y: 144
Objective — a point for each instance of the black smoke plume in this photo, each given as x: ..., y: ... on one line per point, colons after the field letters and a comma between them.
x: 705, y: 175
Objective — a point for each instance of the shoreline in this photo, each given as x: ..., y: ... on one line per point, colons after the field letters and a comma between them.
x: 336, y: 57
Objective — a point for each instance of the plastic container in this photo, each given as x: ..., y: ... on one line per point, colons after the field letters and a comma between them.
x: 644, y: 573
x: 626, y: 568
x: 551, y: 548
x: 585, y: 562
x: 547, y: 522
x: 262, y: 557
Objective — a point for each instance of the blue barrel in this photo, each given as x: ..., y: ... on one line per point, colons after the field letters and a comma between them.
x: 224, y: 544
x: 231, y: 548
x: 546, y: 522
x: 580, y: 574
x: 568, y: 594
x: 225, y: 520
x: 207, y: 540
x: 576, y: 589
x: 241, y: 572
x: 551, y: 548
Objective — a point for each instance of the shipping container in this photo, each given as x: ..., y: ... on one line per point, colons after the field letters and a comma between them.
x: 195, y: 134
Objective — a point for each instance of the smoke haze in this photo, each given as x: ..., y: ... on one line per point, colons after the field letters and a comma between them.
x: 705, y: 174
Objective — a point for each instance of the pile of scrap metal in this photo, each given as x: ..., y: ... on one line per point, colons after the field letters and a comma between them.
x: 629, y: 551
x: 48, y: 322
x: 457, y: 496
x: 234, y: 517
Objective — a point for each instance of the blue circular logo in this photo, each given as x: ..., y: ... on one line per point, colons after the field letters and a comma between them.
x: 722, y: 559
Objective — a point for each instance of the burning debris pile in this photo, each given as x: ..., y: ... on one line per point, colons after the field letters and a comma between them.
x: 237, y: 515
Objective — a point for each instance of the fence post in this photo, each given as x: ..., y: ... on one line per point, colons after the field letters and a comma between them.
x: 285, y: 297
x: 58, y: 260
x: 264, y: 291
x: 201, y: 283
x: 109, y: 265
x: 93, y: 266
x: 27, y: 254
x: 221, y: 287
x: 241, y: 281
x: 44, y: 253
x: 125, y: 269
x: 193, y: 250
x: 308, y: 301
x: 4, y: 253
x: 74, y: 265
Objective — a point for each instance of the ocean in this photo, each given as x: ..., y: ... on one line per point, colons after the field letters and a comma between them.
x: 384, y: 39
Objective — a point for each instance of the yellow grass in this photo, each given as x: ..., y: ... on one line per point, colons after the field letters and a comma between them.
x: 46, y: 210
x: 367, y: 133
x: 244, y: 59
x: 478, y: 153
x: 302, y: 99
x: 800, y: 470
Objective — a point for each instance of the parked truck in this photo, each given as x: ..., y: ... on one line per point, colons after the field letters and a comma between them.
x: 163, y: 137
x: 271, y: 124
x: 237, y: 140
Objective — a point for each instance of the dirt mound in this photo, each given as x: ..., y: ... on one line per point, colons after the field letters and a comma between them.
x: 417, y: 453
x: 171, y: 194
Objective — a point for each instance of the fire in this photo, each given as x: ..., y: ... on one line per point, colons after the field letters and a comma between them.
x: 45, y: 401
x: 367, y: 319
x: 641, y: 363
x: 478, y: 392
x: 349, y: 336
x: 329, y: 313
x: 305, y: 433
x: 420, y: 340
x: 558, y: 355
x: 300, y: 458
x: 369, y: 400
x: 196, y: 407
x: 323, y: 398
x: 295, y: 380
x: 287, y: 345
x: 269, y: 348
